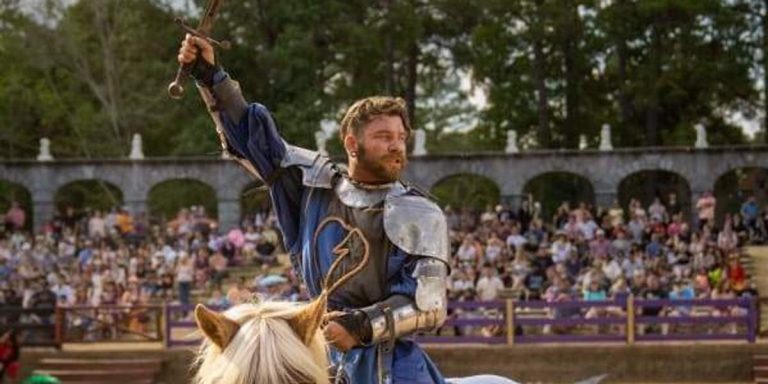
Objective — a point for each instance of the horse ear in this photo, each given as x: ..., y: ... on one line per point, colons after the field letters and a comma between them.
x: 217, y: 327
x: 308, y: 320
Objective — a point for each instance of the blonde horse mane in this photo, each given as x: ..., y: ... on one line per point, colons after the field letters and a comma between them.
x: 264, y: 349
x: 274, y: 342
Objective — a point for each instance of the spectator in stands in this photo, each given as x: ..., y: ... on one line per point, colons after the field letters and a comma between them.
x: 218, y: 300
x: 515, y: 240
x: 594, y: 291
x: 15, y: 218
x: 652, y: 291
x: 750, y: 211
x: 185, y: 276
x: 706, y: 208
x: 489, y: 285
x: 494, y: 250
x: 469, y: 253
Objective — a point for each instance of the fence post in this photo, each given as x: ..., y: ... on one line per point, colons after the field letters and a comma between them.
x: 630, y: 319
x: 752, y: 324
x: 59, y: 326
x: 165, y: 332
x: 510, y: 322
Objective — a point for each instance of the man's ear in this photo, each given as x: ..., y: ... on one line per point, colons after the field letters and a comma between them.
x: 350, y: 144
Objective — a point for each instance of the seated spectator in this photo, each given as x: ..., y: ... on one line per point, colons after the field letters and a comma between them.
x: 15, y: 218
x: 489, y: 285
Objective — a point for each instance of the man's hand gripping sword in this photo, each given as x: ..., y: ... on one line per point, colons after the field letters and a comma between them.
x: 176, y: 89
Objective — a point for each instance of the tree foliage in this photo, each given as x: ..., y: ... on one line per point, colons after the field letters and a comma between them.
x: 90, y: 73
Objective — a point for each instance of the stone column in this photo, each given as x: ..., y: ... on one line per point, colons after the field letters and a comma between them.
x: 136, y: 206
x: 42, y: 184
x: 605, y: 199
x: 43, y: 208
x: 229, y: 214
x: 513, y: 201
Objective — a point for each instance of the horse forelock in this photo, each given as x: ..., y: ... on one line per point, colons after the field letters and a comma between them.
x: 264, y: 350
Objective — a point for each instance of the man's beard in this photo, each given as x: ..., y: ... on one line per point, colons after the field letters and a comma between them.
x: 378, y: 167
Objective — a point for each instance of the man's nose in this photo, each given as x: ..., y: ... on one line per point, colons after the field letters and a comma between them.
x: 397, y: 147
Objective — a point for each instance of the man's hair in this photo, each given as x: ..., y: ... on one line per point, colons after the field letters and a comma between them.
x: 366, y: 110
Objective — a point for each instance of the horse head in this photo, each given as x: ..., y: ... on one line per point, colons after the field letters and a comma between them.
x: 272, y: 341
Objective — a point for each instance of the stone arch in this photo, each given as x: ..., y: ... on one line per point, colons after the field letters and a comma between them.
x: 553, y: 188
x: 254, y: 198
x: 16, y: 192
x: 466, y: 190
x: 166, y: 198
x: 648, y: 184
x: 88, y: 194
x: 733, y: 187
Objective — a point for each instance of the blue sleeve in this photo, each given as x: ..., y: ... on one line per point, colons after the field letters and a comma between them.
x: 400, y: 278
x: 255, y: 138
x: 256, y: 142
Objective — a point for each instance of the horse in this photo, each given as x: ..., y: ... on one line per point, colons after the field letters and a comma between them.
x: 274, y: 342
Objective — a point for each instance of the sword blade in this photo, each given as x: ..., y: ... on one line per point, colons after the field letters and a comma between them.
x: 206, y: 22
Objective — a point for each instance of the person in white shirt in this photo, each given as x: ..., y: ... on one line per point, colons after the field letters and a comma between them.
x: 467, y: 252
x: 489, y: 285
x: 657, y: 210
x: 588, y: 227
x: 561, y: 248
x: 515, y: 239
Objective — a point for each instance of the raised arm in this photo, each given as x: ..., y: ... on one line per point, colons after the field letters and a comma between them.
x: 250, y: 136
x: 248, y: 133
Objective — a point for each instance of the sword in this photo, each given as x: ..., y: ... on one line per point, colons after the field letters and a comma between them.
x: 176, y: 89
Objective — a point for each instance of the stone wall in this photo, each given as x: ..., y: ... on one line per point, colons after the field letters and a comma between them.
x: 700, y: 168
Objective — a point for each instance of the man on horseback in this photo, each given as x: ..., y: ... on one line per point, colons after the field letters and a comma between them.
x: 325, y: 211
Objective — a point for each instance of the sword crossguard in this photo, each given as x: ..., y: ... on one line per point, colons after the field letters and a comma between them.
x: 194, y: 32
x: 176, y: 88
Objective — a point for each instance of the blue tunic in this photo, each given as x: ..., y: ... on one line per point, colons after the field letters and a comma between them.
x: 300, y: 209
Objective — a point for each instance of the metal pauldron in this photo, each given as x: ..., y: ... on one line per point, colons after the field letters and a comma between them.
x: 417, y: 226
x: 317, y: 170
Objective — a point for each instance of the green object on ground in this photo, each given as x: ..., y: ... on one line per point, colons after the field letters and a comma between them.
x: 41, y: 379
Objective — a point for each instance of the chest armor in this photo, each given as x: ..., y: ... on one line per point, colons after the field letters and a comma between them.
x: 355, y: 220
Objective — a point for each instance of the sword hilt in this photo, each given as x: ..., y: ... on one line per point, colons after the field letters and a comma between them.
x: 176, y: 88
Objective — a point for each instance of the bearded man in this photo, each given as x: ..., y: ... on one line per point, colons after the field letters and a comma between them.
x: 324, y: 209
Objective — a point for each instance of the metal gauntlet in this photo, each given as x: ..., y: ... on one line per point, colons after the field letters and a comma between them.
x: 400, y: 315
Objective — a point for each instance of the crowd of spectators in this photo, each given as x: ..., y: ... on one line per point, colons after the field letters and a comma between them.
x: 103, y: 259
x: 95, y: 258
x: 598, y: 253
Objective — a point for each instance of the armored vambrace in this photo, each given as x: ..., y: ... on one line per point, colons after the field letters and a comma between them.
x: 400, y: 315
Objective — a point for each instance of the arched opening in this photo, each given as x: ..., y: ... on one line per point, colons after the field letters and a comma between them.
x: 167, y: 198
x: 87, y: 195
x: 650, y: 184
x: 466, y: 191
x: 552, y: 189
x: 11, y: 193
x: 254, y: 200
x: 734, y: 187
